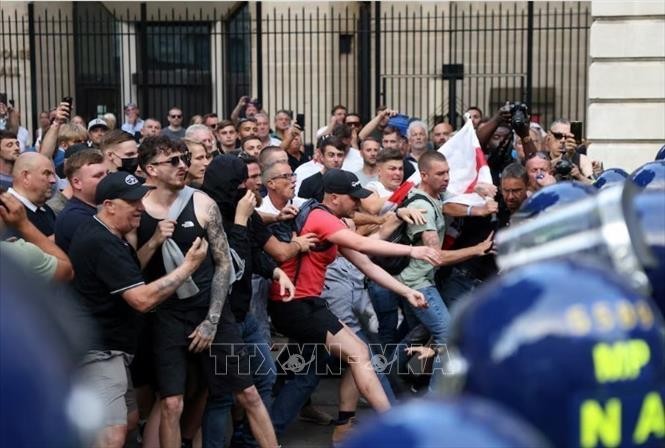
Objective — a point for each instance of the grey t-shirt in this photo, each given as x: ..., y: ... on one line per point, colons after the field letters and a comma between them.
x: 364, y: 178
x: 174, y: 135
x: 420, y: 274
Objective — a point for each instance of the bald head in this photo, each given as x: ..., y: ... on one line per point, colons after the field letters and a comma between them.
x: 29, y: 161
x: 34, y: 177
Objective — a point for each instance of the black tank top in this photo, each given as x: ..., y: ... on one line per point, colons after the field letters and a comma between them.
x: 186, y: 231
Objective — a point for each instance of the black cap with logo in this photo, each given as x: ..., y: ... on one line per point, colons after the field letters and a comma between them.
x: 120, y: 185
x: 343, y: 182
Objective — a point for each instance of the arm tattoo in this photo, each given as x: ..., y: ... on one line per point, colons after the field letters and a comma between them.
x: 431, y: 239
x: 170, y: 283
x: 219, y: 248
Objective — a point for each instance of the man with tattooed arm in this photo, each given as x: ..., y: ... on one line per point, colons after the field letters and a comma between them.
x: 174, y: 217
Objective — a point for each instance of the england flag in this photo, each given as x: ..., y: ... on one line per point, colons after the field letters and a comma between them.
x: 468, y: 166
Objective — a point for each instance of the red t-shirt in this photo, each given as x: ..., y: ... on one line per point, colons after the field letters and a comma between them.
x: 313, y: 264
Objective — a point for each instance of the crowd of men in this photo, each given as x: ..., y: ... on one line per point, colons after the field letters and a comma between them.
x: 191, y: 248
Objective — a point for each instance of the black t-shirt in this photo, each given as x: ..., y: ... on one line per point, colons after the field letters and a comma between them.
x: 106, y: 266
x: 248, y: 243
x: 187, y: 229
x: 75, y: 213
x: 409, y: 169
x: 312, y: 187
x: 295, y: 163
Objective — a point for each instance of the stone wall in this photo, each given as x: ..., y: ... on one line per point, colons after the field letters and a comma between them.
x: 626, y: 110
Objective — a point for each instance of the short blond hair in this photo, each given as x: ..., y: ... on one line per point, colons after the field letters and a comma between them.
x: 70, y: 132
x: 110, y: 120
x: 192, y: 144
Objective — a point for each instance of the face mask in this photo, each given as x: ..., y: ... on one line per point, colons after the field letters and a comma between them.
x: 129, y: 164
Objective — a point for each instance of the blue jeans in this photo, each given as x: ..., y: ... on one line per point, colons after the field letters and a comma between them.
x: 295, y: 393
x: 436, y: 319
x: 263, y: 372
x: 457, y: 285
x: 386, y: 305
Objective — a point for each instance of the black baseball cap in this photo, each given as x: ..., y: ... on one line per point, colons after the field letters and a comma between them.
x: 70, y: 151
x: 120, y: 185
x: 343, y: 182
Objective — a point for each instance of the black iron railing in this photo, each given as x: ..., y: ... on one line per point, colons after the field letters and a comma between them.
x: 304, y: 58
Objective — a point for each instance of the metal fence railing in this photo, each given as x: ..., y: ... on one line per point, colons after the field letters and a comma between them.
x: 306, y: 58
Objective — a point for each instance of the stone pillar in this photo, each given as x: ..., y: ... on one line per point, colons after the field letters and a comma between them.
x: 626, y: 116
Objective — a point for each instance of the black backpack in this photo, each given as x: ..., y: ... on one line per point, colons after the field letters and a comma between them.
x: 395, y: 265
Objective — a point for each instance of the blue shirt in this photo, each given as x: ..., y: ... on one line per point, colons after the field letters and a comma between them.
x: 59, y: 157
x: 6, y: 181
x: 75, y: 213
x: 133, y: 128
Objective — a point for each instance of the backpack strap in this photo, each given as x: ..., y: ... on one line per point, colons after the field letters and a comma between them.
x: 414, y: 197
x: 312, y: 205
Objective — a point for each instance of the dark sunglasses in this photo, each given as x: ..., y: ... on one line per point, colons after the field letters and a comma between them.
x: 353, y: 123
x: 175, y: 160
x: 558, y: 135
x: 175, y: 116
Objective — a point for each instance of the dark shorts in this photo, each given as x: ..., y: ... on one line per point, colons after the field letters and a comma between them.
x: 228, y: 365
x: 143, y: 366
x: 170, y: 331
x: 304, y: 320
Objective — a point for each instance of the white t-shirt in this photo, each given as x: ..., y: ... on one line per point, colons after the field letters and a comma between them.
x: 23, y: 137
x: 320, y: 131
x: 353, y: 161
x: 274, y: 141
x: 306, y: 170
x: 379, y: 188
x: 268, y: 208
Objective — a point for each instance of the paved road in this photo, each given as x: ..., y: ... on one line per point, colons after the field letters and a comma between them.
x: 309, y: 435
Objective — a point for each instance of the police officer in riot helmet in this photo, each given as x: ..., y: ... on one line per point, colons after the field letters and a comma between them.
x: 621, y: 227
x: 651, y: 175
x: 464, y: 421
x: 569, y: 347
x: 551, y: 198
x: 609, y: 177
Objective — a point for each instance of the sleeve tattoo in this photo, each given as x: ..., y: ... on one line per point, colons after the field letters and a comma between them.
x: 219, y: 248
